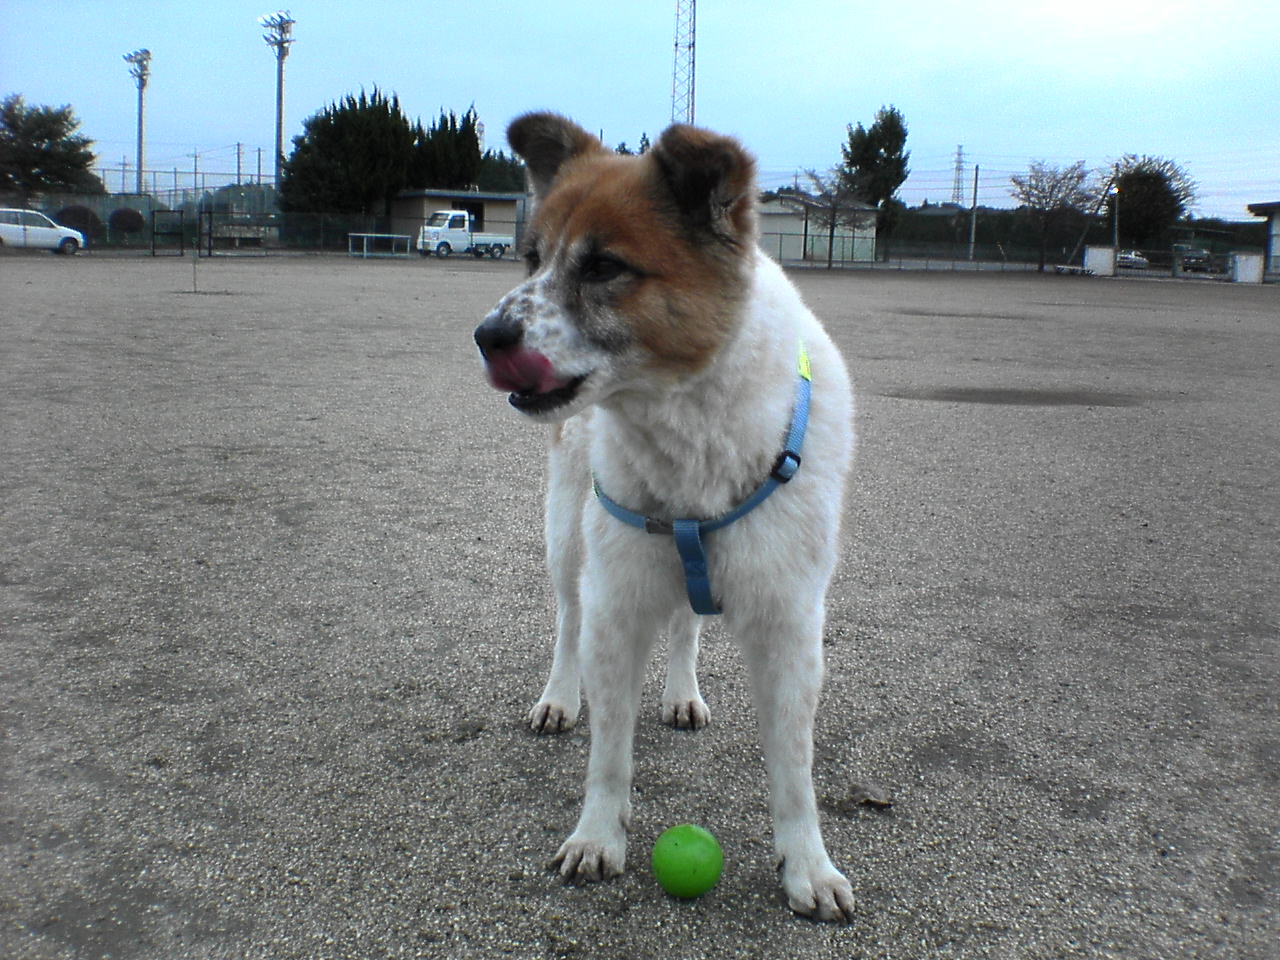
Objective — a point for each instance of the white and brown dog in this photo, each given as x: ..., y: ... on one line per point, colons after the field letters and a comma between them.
x: 675, y: 361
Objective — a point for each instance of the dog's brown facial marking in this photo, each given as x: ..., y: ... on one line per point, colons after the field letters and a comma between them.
x: 644, y: 251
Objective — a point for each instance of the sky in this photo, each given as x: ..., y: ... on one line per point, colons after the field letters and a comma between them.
x: 1011, y: 81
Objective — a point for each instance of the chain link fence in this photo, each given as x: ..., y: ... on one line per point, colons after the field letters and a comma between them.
x: 243, y: 220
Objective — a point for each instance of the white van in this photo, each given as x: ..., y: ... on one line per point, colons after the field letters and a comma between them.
x: 30, y: 228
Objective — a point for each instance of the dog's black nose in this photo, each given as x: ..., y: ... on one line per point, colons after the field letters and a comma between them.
x: 498, y: 332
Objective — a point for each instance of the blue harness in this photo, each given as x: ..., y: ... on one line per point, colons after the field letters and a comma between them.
x: 688, y: 533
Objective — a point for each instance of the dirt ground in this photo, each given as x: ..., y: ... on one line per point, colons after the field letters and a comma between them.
x: 272, y: 608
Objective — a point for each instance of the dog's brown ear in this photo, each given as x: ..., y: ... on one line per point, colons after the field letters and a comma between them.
x: 712, y: 180
x: 545, y: 141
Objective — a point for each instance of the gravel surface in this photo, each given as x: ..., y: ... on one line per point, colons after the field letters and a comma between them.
x: 272, y: 608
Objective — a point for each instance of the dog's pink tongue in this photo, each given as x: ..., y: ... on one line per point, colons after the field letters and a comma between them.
x: 522, y: 371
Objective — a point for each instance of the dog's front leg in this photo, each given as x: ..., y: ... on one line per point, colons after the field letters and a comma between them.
x: 557, y: 709
x: 785, y: 661
x: 615, y: 648
x: 567, y: 489
x: 682, y: 703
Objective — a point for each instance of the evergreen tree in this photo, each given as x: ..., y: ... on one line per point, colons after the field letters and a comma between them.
x: 447, y: 156
x: 352, y: 157
x: 875, y: 163
x: 500, y: 173
x: 640, y: 151
x: 40, y: 151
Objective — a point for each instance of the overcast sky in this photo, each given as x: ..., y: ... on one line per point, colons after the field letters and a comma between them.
x: 1194, y: 81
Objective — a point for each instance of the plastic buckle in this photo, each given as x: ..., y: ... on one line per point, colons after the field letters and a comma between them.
x: 785, y: 467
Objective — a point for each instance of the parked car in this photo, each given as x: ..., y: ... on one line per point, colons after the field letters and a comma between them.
x: 30, y: 228
x: 1196, y: 260
x: 1132, y: 259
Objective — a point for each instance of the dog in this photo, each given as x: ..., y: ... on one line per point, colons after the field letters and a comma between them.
x: 676, y: 364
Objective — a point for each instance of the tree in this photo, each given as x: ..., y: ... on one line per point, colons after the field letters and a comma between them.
x: 875, y: 163
x: 1050, y: 194
x: 41, y: 152
x: 640, y: 151
x: 500, y: 173
x: 447, y: 156
x: 831, y: 202
x: 79, y: 217
x: 352, y: 157
x: 1153, y: 194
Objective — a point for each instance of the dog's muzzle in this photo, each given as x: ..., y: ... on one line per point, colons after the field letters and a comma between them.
x: 527, y: 375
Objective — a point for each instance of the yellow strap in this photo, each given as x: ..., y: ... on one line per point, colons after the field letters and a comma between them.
x: 802, y: 363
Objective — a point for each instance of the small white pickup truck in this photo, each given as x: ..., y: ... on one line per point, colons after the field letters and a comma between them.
x: 448, y: 230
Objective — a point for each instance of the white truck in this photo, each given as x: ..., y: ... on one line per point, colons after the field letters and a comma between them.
x: 447, y: 231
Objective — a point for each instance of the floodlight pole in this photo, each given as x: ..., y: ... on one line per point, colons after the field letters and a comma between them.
x: 140, y: 69
x: 279, y: 35
x: 1115, y: 215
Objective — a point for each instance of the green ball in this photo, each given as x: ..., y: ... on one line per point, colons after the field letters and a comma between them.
x: 687, y: 860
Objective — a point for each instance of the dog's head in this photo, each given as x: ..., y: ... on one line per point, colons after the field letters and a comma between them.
x: 636, y: 265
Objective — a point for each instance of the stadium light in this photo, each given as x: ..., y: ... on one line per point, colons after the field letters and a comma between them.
x: 140, y: 69
x: 279, y: 36
x: 1114, y: 191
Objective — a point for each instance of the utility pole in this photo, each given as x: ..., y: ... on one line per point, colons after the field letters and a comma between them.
x: 140, y: 69
x: 973, y: 213
x: 279, y: 36
x: 683, y: 70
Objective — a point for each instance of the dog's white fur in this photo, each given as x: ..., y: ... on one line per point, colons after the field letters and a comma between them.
x: 669, y: 441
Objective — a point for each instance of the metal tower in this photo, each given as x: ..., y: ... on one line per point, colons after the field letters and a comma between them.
x: 958, y: 183
x: 682, y: 74
x: 957, y: 186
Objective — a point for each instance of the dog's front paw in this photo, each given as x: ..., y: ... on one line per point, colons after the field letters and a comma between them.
x: 590, y: 859
x: 821, y: 892
x: 686, y: 714
x: 550, y: 717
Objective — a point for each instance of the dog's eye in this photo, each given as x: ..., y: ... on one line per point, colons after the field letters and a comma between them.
x: 532, y: 261
x: 601, y: 268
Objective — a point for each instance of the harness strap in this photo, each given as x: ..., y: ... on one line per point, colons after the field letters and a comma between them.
x: 697, y: 574
x: 688, y: 532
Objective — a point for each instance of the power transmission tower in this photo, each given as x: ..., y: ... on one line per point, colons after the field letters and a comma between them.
x: 682, y: 74
x: 957, y: 186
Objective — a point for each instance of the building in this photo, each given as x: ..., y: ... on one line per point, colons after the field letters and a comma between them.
x: 790, y: 231
x: 490, y: 212
x: 793, y: 229
x: 1272, y: 212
